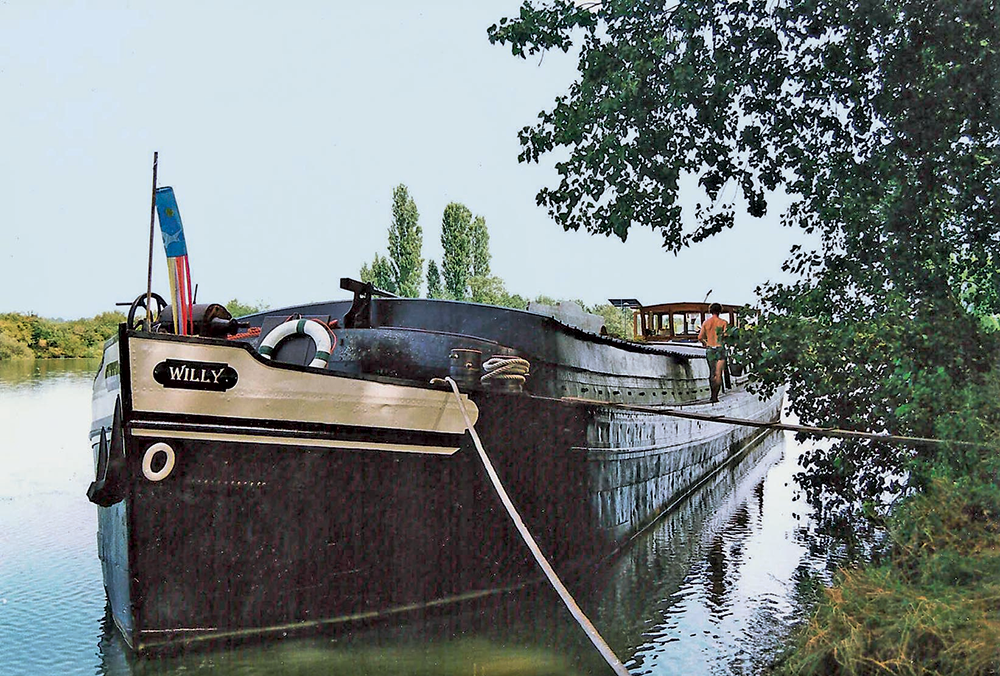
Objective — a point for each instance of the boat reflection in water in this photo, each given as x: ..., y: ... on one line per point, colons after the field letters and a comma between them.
x: 716, y: 586
x: 711, y: 587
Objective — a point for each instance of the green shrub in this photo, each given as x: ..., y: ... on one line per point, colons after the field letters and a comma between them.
x: 932, y: 607
x: 27, y: 336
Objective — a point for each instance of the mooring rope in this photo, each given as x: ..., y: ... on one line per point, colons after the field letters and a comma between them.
x: 567, y: 598
x: 502, y: 367
x: 806, y: 429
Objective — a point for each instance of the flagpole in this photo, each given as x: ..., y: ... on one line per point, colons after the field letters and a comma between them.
x: 152, y: 225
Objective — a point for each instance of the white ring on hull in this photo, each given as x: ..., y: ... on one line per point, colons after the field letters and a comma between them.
x: 168, y: 465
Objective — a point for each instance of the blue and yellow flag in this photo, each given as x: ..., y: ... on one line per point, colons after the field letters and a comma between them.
x: 178, y: 268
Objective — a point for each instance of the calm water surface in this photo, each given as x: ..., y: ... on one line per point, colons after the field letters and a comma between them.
x: 713, y: 588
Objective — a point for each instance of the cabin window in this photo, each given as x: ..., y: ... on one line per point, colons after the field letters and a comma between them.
x: 663, y: 324
x: 730, y: 319
x: 693, y: 322
x: 678, y: 324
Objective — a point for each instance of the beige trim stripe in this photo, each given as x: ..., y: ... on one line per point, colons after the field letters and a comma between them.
x: 293, y: 441
x: 267, y: 392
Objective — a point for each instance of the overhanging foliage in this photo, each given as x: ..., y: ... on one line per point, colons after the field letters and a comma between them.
x: 881, y: 121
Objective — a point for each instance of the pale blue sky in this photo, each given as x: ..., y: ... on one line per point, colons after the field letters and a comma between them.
x: 283, y: 132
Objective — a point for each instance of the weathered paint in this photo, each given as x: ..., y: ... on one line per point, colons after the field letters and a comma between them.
x: 291, y: 506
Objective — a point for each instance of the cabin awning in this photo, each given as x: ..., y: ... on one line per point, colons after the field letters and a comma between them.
x: 625, y: 302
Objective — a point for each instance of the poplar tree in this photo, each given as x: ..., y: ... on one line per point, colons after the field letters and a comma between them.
x: 456, y: 265
x: 479, y: 238
x: 405, y: 244
x: 434, y: 289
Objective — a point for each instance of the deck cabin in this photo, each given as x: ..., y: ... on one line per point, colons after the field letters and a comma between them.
x: 677, y: 321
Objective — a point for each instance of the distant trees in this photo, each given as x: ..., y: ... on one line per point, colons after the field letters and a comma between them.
x: 456, y: 240
x: 466, y: 266
x: 401, y: 272
x: 240, y: 309
x: 479, y: 247
x: 406, y: 239
x: 464, y: 270
x: 29, y: 336
x: 434, y: 288
x: 617, y: 323
x: 380, y: 274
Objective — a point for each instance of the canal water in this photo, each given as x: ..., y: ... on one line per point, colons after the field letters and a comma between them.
x: 712, y: 588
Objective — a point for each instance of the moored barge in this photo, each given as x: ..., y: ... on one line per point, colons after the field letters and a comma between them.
x: 302, y: 469
x: 315, y: 465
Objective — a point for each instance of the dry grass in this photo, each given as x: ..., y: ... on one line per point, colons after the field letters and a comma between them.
x: 933, y: 608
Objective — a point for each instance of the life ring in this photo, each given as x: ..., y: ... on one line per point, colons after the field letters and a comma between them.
x: 319, y: 333
x: 168, y: 465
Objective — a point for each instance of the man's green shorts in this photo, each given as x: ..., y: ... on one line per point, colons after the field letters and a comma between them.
x: 714, y: 354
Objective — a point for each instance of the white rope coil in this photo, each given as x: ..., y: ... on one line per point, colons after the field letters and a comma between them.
x: 502, y: 367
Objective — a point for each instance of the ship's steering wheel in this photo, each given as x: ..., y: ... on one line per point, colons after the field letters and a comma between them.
x: 145, y: 322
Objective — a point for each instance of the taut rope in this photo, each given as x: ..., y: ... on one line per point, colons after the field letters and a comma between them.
x: 550, y: 573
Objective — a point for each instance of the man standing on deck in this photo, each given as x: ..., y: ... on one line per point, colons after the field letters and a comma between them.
x: 712, y: 333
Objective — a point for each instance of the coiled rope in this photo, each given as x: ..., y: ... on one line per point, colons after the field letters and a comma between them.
x: 502, y: 367
x: 567, y: 598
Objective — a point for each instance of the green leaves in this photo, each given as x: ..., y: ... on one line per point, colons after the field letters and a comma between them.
x: 240, y: 309
x: 879, y: 120
x: 380, y: 273
x: 456, y: 241
x: 29, y: 336
x: 405, y: 244
x: 537, y: 30
x: 402, y: 271
x: 434, y: 287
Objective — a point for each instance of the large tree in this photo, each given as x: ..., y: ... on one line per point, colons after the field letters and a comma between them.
x: 879, y: 119
x: 479, y: 247
x: 405, y: 243
x: 402, y: 271
x: 456, y: 241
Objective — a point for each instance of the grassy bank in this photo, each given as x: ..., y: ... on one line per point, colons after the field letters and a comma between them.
x: 929, y: 600
x: 29, y: 336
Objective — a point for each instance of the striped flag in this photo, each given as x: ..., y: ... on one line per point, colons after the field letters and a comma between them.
x: 179, y: 271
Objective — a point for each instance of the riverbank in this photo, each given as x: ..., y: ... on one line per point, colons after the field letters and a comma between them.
x: 32, y: 337
x: 927, y: 600
x: 929, y: 605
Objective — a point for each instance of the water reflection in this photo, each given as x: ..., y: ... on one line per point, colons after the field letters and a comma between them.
x: 719, y: 576
x: 40, y: 372
x: 711, y: 588
x: 364, y: 653
x: 51, y: 595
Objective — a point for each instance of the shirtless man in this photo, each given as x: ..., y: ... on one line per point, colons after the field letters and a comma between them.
x: 711, y: 335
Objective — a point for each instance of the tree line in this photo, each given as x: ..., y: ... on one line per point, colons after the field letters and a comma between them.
x: 464, y: 271
x: 28, y: 336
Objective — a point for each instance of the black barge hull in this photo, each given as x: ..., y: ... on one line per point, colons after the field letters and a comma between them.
x: 299, y: 498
